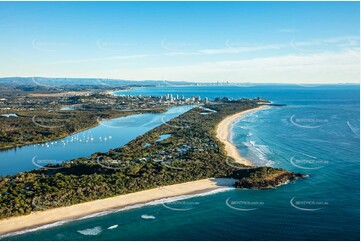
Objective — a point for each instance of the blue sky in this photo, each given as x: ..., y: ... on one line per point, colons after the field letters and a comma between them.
x: 268, y: 42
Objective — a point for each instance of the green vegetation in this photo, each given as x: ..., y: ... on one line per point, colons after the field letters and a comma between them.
x: 41, y: 114
x: 191, y: 153
x: 41, y: 119
x: 264, y: 177
x: 41, y: 126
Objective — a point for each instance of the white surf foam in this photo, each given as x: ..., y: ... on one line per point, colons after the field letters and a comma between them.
x: 47, y: 226
x: 113, y: 226
x: 152, y: 203
x: 144, y: 216
x: 260, y: 152
x: 92, y: 231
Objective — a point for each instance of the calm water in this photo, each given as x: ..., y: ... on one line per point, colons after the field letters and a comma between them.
x: 109, y: 134
x: 317, y: 133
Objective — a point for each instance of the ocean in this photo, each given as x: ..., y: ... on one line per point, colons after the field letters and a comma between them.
x: 317, y: 133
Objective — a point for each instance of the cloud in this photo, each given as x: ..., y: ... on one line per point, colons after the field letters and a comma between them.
x: 233, y: 47
x: 328, y: 60
x: 324, y: 67
x: 336, y: 42
x: 230, y: 48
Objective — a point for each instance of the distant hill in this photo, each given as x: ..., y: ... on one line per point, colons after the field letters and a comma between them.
x: 52, y: 82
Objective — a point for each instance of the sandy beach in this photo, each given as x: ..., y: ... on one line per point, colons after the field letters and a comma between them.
x: 80, y: 210
x: 41, y: 218
x: 223, y: 134
x: 60, y: 94
x: 112, y: 92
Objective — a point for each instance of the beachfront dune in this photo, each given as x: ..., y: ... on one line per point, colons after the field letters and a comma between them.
x: 191, y: 155
x: 223, y: 134
x: 38, y: 219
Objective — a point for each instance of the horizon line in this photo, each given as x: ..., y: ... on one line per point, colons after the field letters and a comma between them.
x: 190, y: 82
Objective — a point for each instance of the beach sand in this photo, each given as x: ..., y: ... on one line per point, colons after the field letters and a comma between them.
x: 223, y: 134
x: 38, y: 219
x: 50, y: 216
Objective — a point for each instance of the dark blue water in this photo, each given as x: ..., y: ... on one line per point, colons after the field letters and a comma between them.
x: 317, y: 133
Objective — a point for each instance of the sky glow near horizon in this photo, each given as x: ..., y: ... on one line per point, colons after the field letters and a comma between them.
x: 260, y: 42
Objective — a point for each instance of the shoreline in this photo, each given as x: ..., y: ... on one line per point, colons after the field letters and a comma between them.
x: 43, y: 219
x: 112, y: 92
x: 4, y: 148
x: 16, y: 225
x: 224, y: 133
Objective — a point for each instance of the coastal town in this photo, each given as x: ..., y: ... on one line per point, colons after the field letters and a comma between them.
x: 25, y: 114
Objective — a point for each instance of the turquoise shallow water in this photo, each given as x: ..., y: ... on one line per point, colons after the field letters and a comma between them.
x: 317, y: 133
